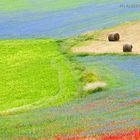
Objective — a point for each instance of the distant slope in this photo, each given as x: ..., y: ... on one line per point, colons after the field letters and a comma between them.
x: 60, y: 18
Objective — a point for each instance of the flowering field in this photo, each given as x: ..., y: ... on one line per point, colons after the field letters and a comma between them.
x: 57, y: 18
x: 109, y: 112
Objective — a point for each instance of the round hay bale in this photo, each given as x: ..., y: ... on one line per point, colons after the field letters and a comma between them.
x: 113, y: 37
x: 127, y: 48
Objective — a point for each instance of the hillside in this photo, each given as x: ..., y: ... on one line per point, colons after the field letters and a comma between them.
x: 61, y: 18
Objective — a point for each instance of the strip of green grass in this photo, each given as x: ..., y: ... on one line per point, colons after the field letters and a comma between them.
x: 46, y: 5
x: 34, y: 73
x: 41, y: 5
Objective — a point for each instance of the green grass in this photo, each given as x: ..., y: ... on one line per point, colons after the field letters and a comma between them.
x: 34, y: 73
x: 75, y: 41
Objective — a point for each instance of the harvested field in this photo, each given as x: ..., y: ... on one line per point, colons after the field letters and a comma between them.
x: 129, y: 33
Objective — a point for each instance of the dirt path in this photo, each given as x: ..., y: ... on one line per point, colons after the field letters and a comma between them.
x: 130, y: 33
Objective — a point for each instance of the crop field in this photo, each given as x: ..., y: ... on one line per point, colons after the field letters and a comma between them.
x: 34, y: 73
x: 60, y: 77
x: 61, y: 18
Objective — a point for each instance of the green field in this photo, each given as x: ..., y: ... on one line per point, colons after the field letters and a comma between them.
x: 34, y: 73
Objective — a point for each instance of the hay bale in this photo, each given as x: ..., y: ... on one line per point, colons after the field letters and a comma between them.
x: 94, y: 86
x: 114, y: 37
x: 127, y: 48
